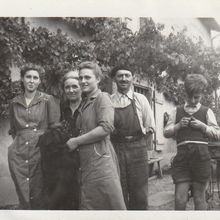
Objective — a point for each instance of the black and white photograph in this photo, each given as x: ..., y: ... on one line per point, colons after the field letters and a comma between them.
x: 110, y: 109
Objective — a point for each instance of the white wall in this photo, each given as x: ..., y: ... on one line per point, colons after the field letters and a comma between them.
x: 52, y: 24
x: 162, y: 106
x: 195, y: 28
x: 166, y: 146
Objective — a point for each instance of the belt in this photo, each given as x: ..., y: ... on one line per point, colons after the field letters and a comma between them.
x: 126, y: 138
x: 30, y: 130
x: 191, y: 142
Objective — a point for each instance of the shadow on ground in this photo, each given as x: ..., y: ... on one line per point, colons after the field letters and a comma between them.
x: 161, y: 195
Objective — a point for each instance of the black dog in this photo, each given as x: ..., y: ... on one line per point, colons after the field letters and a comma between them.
x: 59, y: 168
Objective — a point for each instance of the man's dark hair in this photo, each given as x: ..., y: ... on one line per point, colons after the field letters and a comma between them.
x: 119, y: 67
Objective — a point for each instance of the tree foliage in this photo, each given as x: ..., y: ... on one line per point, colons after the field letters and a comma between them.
x: 162, y: 60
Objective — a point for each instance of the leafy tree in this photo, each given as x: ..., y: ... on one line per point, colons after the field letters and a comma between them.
x: 162, y: 60
x: 12, y: 38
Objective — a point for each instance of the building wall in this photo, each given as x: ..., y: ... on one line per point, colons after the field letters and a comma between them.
x: 165, y: 147
x: 52, y: 24
x: 162, y: 106
x: 195, y: 28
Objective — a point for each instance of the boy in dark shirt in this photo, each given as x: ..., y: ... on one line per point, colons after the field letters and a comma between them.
x: 192, y: 125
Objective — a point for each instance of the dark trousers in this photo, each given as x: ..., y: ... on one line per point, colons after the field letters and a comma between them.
x: 133, y: 162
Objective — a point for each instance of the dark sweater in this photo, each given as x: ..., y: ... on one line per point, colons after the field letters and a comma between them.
x: 189, y: 133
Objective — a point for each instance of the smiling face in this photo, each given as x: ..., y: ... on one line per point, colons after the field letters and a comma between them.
x: 72, y: 90
x: 31, y: 80
x: 123, y: 79
x: 88, y: 81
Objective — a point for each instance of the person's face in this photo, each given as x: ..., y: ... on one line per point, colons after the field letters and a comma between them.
x: 88, y: 81
x: 72, y: 89
x: 194, y: 98
x: 31, y: 80
x: 123, y: 79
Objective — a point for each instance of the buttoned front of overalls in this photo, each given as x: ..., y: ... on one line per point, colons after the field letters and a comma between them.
x: 27, y: 123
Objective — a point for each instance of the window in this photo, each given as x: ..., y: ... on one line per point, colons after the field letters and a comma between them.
x: 147, y: 91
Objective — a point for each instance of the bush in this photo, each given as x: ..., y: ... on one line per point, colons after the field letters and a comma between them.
x: 147, y: 52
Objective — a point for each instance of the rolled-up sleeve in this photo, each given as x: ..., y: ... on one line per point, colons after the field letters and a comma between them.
x: 212, y: 129
x: 145, y: 113
x: 148, y: 115
x: 105, y: 112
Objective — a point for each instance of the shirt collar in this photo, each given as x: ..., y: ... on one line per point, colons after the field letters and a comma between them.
x: 66, y: 109
x: 21, y: 99
x: 129, y: 94
x: 92, y: 96
x: 186, y: 105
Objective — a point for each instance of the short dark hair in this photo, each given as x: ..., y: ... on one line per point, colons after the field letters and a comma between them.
x: 30, y: 66
x: 119, y: 67
x: 195, y: 83
x: 93, y: 66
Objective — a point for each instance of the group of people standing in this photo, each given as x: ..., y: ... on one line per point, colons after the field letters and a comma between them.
x: 89, y: 150
x: 86, y: 152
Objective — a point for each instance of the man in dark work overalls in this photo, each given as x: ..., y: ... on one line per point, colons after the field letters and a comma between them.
x: 133, y: 120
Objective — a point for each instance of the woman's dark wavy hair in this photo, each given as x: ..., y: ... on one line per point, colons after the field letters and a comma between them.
x: 30, y: 66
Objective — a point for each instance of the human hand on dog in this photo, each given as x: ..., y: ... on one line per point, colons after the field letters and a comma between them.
x: 72, y: 144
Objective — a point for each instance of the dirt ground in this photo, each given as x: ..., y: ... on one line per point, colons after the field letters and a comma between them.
x: 159, y: 186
